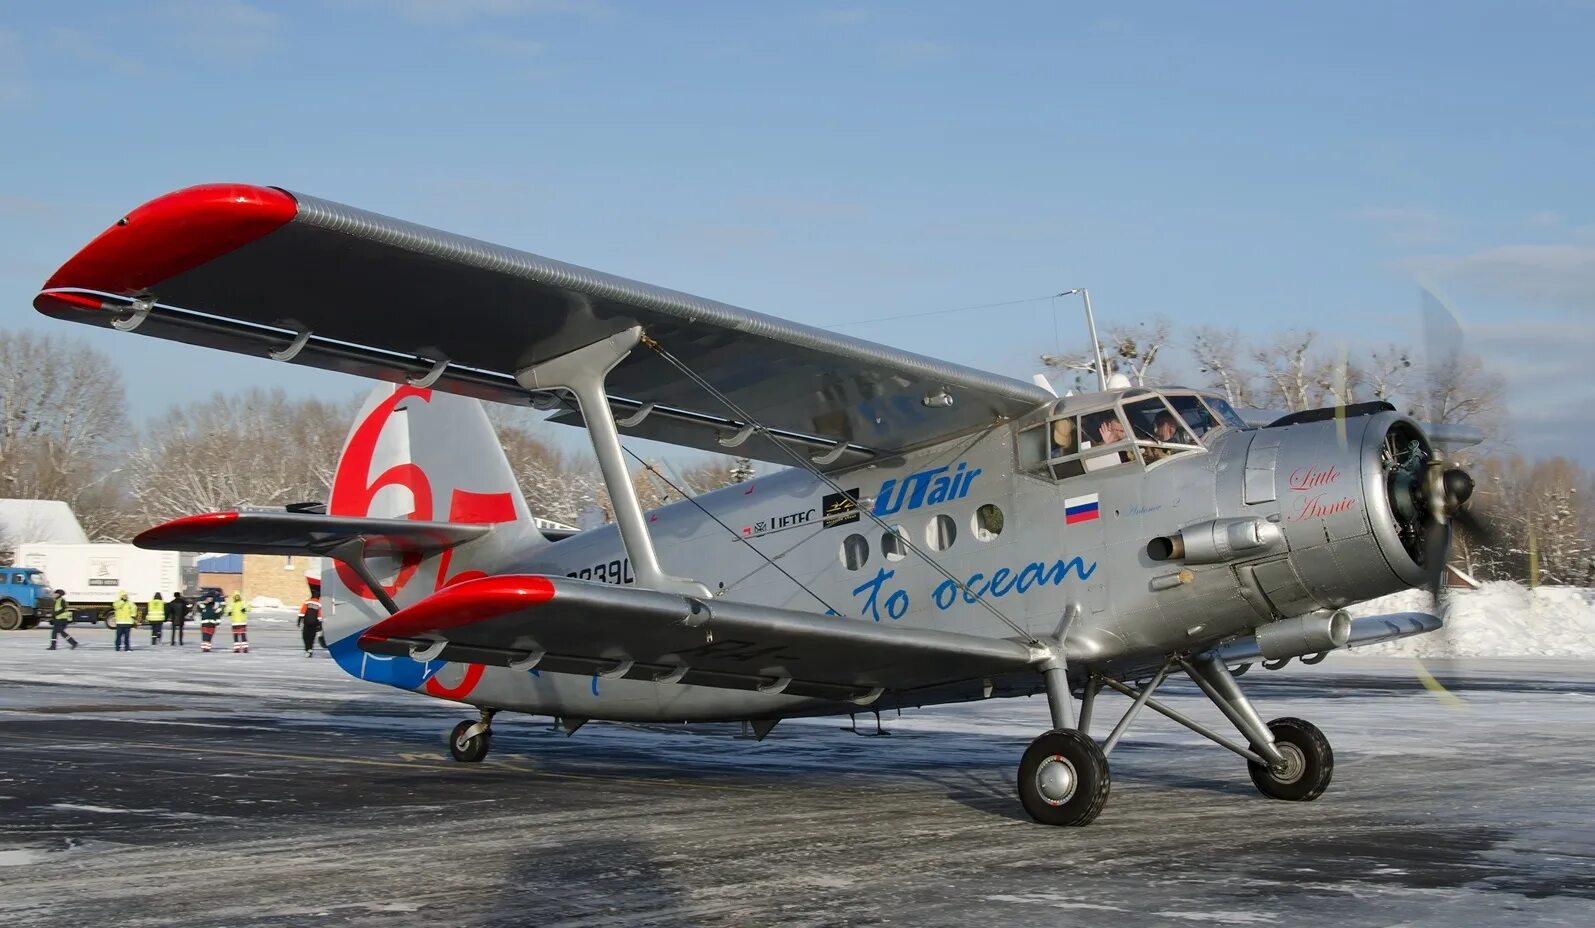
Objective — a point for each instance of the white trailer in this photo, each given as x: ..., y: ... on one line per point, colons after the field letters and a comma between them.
x: 94, y: 575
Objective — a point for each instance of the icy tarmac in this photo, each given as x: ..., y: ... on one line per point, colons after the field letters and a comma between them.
x: 167, y: 787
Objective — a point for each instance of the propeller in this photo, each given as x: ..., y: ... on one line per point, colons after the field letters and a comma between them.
x: 1447, y: 487
x: 1443, y: 489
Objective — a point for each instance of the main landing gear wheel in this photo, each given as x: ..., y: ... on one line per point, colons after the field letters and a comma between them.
x: 468, y: 749
x: 1309, y: 762
x: 1063, y: 778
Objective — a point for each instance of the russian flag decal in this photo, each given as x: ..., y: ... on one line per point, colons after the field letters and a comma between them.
x: 1081, y: 509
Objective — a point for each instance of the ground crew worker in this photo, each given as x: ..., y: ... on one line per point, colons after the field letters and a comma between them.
x: 155, y: 616
x: 125, y: 614
x: 210, y: 613
x: 60, y: 619
x: 177, y: 616
x: 238, y: 612
x: 310, y: 619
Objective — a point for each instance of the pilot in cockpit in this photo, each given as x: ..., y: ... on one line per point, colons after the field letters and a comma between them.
x: 1107, y: 427
x: 1165, y: 430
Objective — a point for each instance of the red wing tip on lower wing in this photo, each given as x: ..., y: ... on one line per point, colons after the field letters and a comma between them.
x: 464, y: 604
x: 60, y: 303
x: 183, y: 527
x: 175, y: 233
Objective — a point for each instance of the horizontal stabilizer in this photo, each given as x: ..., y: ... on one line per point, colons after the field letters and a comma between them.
x: 566, y: 625
x: 288, y: 533
x: 1370, y: 629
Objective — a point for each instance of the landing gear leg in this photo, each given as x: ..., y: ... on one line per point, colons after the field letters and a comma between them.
x: 1063, y: 776
x: 1293, y: 760
x: 470, y: 741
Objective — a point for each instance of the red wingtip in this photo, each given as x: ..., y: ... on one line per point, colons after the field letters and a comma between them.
x: 465, y: 603
x: 177, y: 529
x: 63, y: 303
x: 175, y: 233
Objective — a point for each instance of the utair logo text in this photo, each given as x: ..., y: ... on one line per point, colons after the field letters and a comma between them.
x: 924, y: 488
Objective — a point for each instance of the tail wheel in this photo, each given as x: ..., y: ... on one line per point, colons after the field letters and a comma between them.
x: 468, y: 749
x: 1309, y: 763
x: 1063, y: 778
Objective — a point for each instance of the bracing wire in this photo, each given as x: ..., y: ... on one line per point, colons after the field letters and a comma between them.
x: 803, y: 462
x: 733, y: 532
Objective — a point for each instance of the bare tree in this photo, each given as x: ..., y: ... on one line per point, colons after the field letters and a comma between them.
x: 1127, y: 350
x: 1289, y: 374
x: 256, y: 447
x: 1387, y: 372
x: 1221, y: 354
x: 1459, y: 389
x: 557, y: 485
x: 63, y: 414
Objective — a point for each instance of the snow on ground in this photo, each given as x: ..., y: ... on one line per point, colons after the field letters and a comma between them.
x: 1501, y: 619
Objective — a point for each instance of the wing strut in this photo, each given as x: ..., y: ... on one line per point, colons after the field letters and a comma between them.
x: 353, y: 554
x: 583, y: 372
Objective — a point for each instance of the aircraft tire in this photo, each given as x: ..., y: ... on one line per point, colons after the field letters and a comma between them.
x: 1311, y: 763
x: 1064, y: 779
x: 469, y: 750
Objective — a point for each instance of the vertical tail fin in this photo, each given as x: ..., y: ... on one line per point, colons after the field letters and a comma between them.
x: 426, y: 455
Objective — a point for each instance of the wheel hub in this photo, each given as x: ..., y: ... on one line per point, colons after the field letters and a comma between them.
x: 1294, y: 766
x: 1056, y: 780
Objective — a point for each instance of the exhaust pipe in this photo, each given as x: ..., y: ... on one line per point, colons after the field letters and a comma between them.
x: 1305, y: 634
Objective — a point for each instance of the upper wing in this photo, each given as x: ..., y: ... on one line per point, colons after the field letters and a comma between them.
x: 305, y: 533
x: 248, y: 269
x: 576, y: 626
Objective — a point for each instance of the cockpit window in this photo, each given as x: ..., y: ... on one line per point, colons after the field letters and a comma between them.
x: 1068, y: 446
x: 1194, y: 413
x: 1158, y: 432
x: 1226, y: 413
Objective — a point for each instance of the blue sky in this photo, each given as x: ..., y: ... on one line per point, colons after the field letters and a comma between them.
x: 1260, y: 165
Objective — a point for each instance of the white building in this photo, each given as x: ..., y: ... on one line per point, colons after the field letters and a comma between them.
x: 38, y: 521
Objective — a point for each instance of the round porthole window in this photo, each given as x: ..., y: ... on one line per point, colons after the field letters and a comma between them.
x: 941, y: 532
x: 855, y: 552
x: 894, y: 544
x: 986, y: 522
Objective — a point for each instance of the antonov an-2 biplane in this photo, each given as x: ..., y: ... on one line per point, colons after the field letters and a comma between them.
x: 941, y: 534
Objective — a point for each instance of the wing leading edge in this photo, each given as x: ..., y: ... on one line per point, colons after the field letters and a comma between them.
x: 258, y: 269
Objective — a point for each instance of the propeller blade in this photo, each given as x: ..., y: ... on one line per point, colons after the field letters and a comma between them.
x: 1436, y: 547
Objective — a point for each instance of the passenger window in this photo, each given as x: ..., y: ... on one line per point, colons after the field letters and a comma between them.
x: 941, y: 533
x: 894, y: 544
x: 987, y: 522
x: 855, y: 552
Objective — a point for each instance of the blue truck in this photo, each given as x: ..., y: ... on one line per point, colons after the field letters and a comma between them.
x: 25, y: 599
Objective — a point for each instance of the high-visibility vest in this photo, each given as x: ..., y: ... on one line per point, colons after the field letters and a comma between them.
x: 126, y: 612
x: 238, y: 611
x: 63, y: 612
x: 156, y: 611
